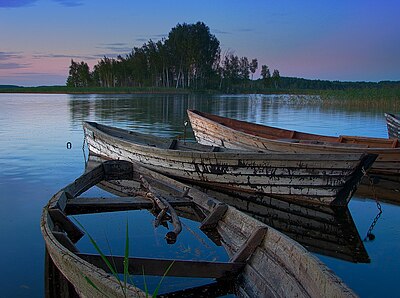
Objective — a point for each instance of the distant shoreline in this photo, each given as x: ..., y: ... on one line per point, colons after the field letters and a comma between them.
x: 286, y: 85
x: 387, y: 95
x: 91, y: 90
x: 144, y: 90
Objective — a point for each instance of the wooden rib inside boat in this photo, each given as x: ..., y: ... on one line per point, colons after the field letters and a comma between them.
x: 262, y: 261
x: 215, y: 130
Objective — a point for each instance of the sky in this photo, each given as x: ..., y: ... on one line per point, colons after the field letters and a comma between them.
x: 314, y: 39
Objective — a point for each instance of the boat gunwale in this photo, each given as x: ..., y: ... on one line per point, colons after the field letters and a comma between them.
x: 228, y: 155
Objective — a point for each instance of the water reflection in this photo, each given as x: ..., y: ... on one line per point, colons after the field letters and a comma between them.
x: 34, y: 161
x: 164, y: 114
x: 324, y: 230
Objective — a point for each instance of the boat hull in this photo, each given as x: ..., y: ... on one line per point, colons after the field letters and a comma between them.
x: 268, y: 263
x: 220, y: 131
x: 393, y: 126
x: 314, y: 178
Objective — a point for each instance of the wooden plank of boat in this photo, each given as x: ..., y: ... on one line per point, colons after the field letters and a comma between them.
x: 215, y: 130
x: 316, y: 178
x: 270, y: 265
x: 393, y: 126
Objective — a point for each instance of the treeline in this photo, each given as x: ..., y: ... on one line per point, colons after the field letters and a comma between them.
x: 190, y: 57
x: 290, y: 83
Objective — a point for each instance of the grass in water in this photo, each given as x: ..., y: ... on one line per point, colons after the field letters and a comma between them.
x: 112, y: 268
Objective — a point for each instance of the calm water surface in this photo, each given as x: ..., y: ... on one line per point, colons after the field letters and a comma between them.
x: 35, y: 163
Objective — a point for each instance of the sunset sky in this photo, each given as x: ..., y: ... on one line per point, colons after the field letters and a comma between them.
x: 331, y: 40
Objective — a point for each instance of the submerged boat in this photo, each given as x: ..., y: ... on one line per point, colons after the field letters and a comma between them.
x: 215, y: 130
x: 393, y: 126
x: 329, y: 179
x: 262, y: 261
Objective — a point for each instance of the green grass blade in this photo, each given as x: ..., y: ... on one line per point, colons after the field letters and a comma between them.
x: 159, y: 284
x: 90, y: 282
x: 146, y: 290
x: 126, y: 256
x: 102, y: 255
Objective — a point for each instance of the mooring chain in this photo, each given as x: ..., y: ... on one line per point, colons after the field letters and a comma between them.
x: 369, y: 235
x: 83, y: 150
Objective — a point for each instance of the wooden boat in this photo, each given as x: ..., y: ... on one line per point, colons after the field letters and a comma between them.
x: 393, y: 126
x: 221, y: 131
x: 262, y: 261
x: 329, y: 179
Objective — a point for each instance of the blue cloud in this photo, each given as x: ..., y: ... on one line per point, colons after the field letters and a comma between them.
x: 218, y: 31
x: 16, y: 3
x: 41, y: 56
x: 9, y: 55
x: 117, y: 47
x: 69, y: 3
x: 13, y: 65
x: 24, y: 3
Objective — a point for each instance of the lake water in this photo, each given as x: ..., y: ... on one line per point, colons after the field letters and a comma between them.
x: 35, y: 163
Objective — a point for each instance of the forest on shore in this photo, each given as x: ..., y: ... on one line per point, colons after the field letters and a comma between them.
x: 189, y: 58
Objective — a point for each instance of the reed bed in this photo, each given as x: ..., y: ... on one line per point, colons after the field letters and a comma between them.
x: 384, y: 99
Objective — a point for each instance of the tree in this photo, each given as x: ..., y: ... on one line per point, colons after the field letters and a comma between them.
x: 190, y: 57
x: 79, y: 75
x: 244, y: 69
x: 231, y: 69
x: 253, y: 67
x: 105, y: 72
x: 193, y: 52
x: 265, y: 75
x: 275, y: 78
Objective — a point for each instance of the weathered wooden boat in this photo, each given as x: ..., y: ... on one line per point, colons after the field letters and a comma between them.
x: 329, y: 179
x: 262, y: 261
x: 393, y: 126
x: 215, y: 130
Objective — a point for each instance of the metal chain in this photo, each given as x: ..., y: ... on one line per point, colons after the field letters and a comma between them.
x: 83, y: 150
x: 370, y: 236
